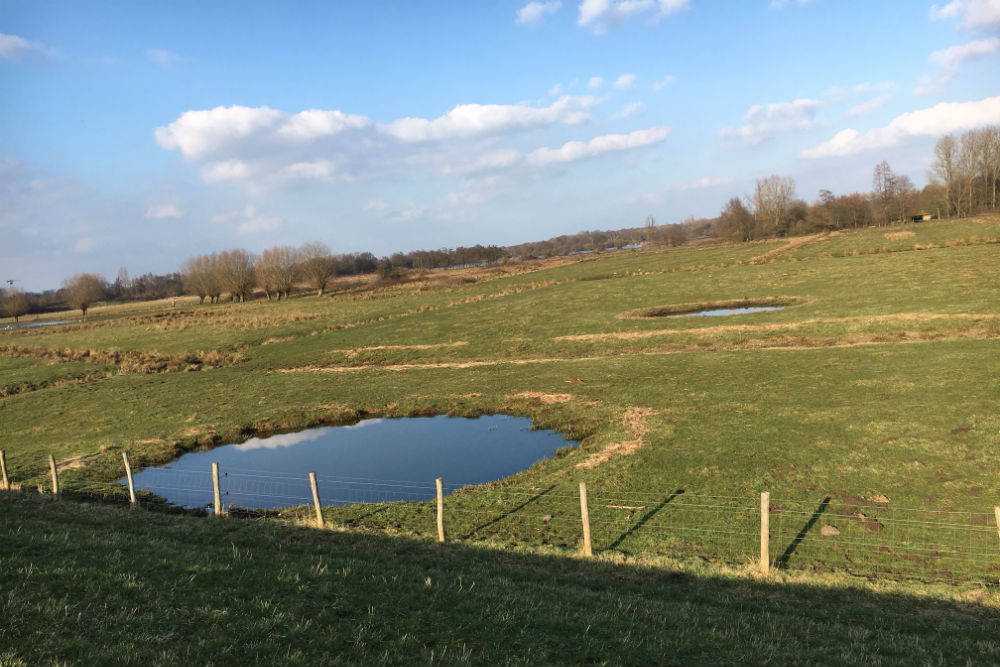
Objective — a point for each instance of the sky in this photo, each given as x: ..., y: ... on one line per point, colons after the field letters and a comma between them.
x: 140, y: 134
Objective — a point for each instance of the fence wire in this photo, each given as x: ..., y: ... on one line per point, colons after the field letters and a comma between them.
x: 869, y: 539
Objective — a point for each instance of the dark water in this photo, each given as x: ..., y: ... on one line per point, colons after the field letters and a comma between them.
x: 730, y: 311
x: 375, y: 460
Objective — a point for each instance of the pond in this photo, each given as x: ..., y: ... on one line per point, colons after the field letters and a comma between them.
x: 729, y: 311
x: 27, y: 325
x: 376, y: 460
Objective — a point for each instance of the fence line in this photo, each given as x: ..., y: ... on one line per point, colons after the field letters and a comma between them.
x: 843, y: 534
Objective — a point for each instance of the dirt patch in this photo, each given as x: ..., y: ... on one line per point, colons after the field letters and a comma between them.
x: 76, y: 462
x: 547, y: 399
x: 870, y: 523
x: 791, y: 246
x: 428, y: 346
x: 960, y: 429
x: 634, y: 422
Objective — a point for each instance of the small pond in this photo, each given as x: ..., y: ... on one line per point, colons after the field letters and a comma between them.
x: 376, y: 460
x: 27, y: 325
x: 729, y: 311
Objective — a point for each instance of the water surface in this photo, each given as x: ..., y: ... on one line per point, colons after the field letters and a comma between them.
x: 375, y: 460
x: 729, y: 311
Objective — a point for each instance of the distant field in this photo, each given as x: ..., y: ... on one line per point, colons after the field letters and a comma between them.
x: 867, y: 406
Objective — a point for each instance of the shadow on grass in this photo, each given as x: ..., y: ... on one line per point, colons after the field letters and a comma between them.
x: 506, y: 514
x: 645, y: 519
x: 413, y: 594
x: 782, y: 562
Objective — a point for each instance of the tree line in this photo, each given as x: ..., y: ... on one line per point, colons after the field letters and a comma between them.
x: 964, y: 178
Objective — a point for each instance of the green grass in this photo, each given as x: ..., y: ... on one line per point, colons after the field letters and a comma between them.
x: 867, y: 409
x: 86, y: 585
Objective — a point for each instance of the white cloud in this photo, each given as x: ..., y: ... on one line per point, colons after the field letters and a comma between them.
x: 534, y: 13
x: 763, y: 122
x: 629, y: 109
x: 163, y: 211
x: 556, y: 89
x: 84, y: 245
x: 868, y: 107
x: 940, y: 119
x: 13, y: 47
x: 248, y: 221
x: 602, y: 15
x: 595, y: 82
x: 493, y: 160
x: 625, y: 81
x: 950, y: 10
x: 982, y: 13
x: 951, y: 59
x: 473, y: 120
x: 206, y: 133
x: 230, y: 170
x: 978, y: 13
x: 165, y: 58
x: 376, y: 205
x: 663, y: 83
x: 579, y: 150
x: 314, y: 124
x: 701, y: 183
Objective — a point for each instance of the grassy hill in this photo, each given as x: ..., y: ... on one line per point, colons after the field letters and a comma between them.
x: 866, y: 407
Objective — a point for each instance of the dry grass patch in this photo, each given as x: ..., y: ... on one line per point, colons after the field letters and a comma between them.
x: 635, y: 424
x: 547, y: 399
x: 791, y: 246
x: 898, y: 236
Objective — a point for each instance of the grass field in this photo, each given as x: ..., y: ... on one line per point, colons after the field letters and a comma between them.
x: 867, y: 408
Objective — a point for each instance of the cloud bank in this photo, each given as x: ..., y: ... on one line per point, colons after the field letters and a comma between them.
x: 940, y: 119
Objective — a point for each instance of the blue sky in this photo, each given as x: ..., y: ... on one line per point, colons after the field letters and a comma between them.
x: 139, y: 134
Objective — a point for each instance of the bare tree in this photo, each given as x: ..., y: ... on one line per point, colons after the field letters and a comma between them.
x: 15, y: 302
x: 737, y: 221
x: 966, y: 163
x: 277, y: 270
x: 235, y: 270
x: 944, y: 168
x: 201, y: 277
x: 771, y: 199
x: 83, y: 290
x: 991, y: 161
x: 317, y: 265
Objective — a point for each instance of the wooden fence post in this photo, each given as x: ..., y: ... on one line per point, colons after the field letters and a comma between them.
x: 215, y: 483
x: 315, y: 490
x: 440, y: 499
x: 55, y: 475
x: 585, y: 517
x: 996, y: 514
x: 131, y: 485
x: 3, y: 469
x: 765, y: 531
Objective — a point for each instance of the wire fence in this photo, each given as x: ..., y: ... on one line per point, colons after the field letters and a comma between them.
x: 873, y: 539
